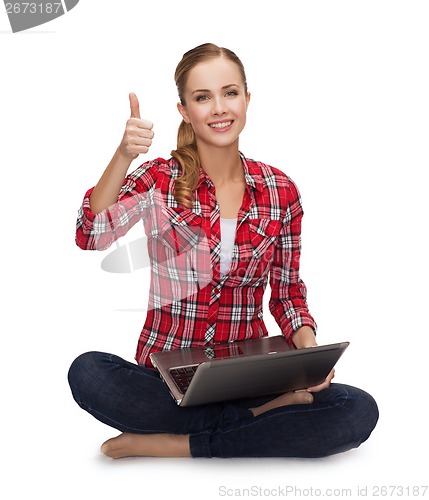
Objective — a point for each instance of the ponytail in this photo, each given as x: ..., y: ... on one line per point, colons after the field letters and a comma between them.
x: 188, y: 158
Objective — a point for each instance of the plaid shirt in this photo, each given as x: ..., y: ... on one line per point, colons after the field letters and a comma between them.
x: 190, y: 302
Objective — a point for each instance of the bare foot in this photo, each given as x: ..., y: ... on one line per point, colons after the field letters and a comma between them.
x: 289, y: 398
x: 147, y: 445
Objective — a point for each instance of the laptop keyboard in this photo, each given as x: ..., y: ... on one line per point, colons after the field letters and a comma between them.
x: 183, y: 376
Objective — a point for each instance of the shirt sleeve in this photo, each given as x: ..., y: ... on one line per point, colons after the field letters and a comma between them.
x: 99, y: 231
x: 288, y: 301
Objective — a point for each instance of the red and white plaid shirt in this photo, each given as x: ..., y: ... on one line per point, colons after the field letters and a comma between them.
x: 190, y: 302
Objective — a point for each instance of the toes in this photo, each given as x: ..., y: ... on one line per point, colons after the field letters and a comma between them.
x: 302, y: 397
x: 106, y: 448
x: 309, y: 397
x: 112, y: 448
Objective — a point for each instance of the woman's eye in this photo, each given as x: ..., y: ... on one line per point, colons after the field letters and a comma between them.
x: 232, y: 92
x: 202, y: 98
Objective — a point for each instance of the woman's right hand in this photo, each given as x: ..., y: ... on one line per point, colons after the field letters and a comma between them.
x: 137, y: 139
x: 138, y: 133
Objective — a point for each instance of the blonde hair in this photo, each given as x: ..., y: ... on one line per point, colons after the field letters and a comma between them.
x: 187, y: 153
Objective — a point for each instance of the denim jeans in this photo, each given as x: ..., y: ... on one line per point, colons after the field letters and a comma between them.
x: 133, y: 398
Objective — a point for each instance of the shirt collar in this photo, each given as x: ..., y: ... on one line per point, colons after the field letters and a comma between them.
x: 251, y: 175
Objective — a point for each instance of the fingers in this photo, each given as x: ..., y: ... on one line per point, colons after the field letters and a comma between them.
x: 137, y: 140
x: 138, y: 133
x: 135, y: 113
x: 135, y: 106
x: 324, y: 385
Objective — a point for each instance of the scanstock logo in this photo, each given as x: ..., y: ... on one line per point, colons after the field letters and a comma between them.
x: 26, y: 15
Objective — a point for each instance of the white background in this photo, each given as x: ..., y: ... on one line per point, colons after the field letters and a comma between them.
x: 339, y: 102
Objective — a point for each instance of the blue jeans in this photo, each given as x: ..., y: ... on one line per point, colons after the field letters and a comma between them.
x: 133, y: 398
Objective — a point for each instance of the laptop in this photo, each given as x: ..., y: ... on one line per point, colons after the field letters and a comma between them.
x: 243, y: 369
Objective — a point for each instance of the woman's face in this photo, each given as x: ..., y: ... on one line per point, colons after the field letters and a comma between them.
x: 216, y: 102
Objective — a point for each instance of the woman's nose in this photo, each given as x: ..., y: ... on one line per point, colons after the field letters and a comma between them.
x: 219, y: 107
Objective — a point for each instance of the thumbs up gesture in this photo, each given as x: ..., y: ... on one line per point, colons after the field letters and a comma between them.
x: 138, y: 133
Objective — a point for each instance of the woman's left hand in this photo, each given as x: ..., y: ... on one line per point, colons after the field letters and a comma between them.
x: 304, y: 337
x: 325, y: 384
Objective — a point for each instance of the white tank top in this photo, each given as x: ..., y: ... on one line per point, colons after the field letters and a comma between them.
x: 227, y: 236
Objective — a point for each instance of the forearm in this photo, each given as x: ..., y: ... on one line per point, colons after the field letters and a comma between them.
x: 304, y: 337
x: 108, y: 187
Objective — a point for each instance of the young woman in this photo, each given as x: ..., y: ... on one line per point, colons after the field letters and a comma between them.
x: 219, y: 226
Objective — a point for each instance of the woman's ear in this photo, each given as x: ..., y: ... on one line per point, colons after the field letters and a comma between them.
x: 183, y: 112
x: 247, y: 100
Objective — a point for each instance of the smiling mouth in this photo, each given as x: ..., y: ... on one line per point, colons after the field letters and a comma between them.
x: 221, y: 124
